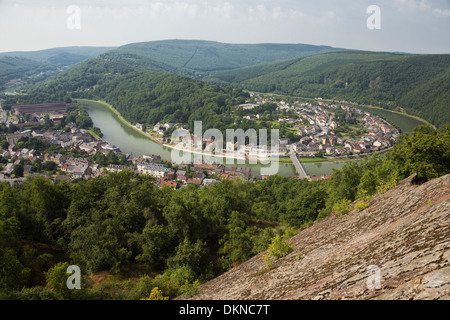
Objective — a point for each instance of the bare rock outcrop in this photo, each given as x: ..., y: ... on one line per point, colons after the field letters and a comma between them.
x: 398, y: 248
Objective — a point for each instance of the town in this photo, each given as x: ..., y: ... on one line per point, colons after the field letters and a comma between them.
x: 37, y: 141
x: 315, y: 129
x: 18, y: 162
x: 318, y: 127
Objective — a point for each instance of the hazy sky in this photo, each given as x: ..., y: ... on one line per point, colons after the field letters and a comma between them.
x: 416, y: 26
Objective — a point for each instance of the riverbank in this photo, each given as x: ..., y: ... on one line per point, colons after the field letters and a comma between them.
x: 404, y: 121
x: 170, y: 146
x: 130, y: 140
x: 202, y: 153
x: 396, y: 112
x: 121, y: 118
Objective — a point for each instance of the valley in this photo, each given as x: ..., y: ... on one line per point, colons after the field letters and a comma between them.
x: 88, y: 176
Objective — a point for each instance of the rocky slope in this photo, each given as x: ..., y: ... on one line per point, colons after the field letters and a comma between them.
x: 398, y: 248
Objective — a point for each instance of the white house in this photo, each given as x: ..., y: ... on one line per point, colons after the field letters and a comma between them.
x: 155, y: 170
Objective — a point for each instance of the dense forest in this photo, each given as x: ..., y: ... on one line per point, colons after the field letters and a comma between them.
x: 36, y: 66
x: 420, y: 84
x: 15, y: 68
x: 136, y: 237
x: 154, y: 97
x: 185, y: 57
x: 200, y: 58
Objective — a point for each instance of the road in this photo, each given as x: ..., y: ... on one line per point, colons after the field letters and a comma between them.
x: 297, y: 164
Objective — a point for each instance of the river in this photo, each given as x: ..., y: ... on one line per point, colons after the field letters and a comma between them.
x: 132, y: 142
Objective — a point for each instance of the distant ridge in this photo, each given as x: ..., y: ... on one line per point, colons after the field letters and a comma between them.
x: 61, y: 57
x: 209, y: 56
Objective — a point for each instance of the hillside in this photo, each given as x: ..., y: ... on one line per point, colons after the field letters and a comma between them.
x: 60, y: 57
x: 34, y: 66
x: 189, y: 57
x: 192, y: 58
x: 202, y: 57
x: 404, y: 233
x: 139, y: 96
x: 149, y: 97
x: 15, y: 68
x: 420, y: 84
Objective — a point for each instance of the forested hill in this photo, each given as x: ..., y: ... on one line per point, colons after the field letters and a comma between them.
x: 186, y: 57
x: 88, y: 74
x: 420, y: 84
x: 145, y: 96
x: 140, y: 96
x: 35, y: 66
x: 15, y: 68
x: 60, y: 57
x: 203, y: 57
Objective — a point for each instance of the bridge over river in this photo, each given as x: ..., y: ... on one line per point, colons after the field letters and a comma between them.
x: 301, y: 172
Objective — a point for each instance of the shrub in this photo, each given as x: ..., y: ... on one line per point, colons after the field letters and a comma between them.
x: 361, y: 206
x: 342, y: 207
x: 278, y: 249
x: 156, y: 294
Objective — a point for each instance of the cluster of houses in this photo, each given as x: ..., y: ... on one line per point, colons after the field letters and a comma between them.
x: 200, y: 174
x: 70, y: 167
x: 84, y: 168
x: 320, y: 135
x: 316, y: 125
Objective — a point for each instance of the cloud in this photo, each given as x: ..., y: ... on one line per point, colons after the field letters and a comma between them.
x: 410, y: 5
x: 424, y: 6
x: 441, y: 12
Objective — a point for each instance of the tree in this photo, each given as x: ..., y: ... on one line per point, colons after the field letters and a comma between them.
x: 49, y: 166
x: 97, y: 131
x: 18, y: 170
x: 100, y: 158
x: 426, y: 151
x: 37, y: 165
x: 57, y: 278
x: 320, y: 154
x: 278, y: 248
x: 13, y: 275
x: 112, y: 158
x: 237, y: 243
x: 47, y: 121
x: 368, y: 184
x: 157, y: 245
x: 4, y: 144
x: 192, y: 255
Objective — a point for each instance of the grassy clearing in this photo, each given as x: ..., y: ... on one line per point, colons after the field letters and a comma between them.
x: 313, y: 160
